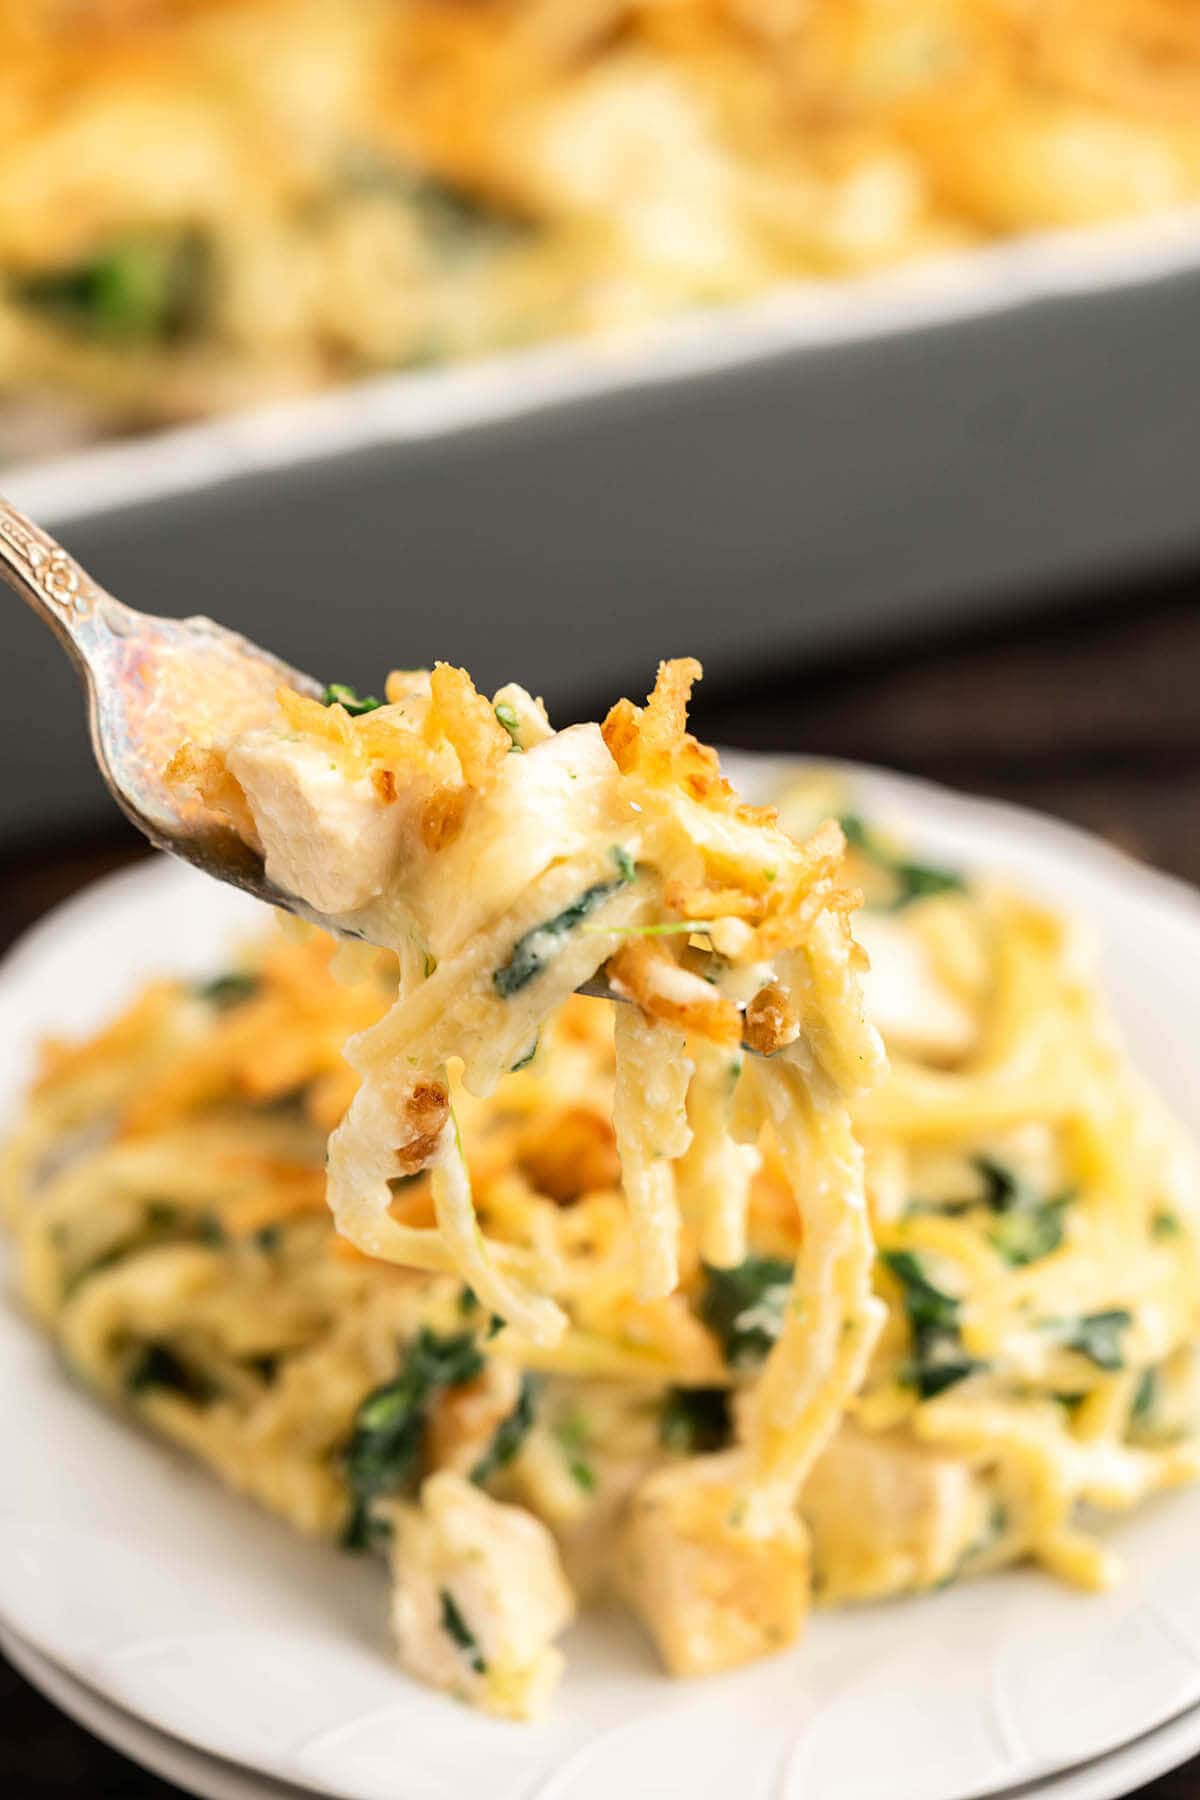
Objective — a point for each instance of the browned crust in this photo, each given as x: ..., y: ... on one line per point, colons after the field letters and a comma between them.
x: 426, y: 1109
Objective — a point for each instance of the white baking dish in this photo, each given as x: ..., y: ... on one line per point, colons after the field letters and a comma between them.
x: 829, y: 462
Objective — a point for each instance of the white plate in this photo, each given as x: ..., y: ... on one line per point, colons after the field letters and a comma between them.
x: 186, y: 1607
x: 1109, y: 1778
x: 187, y: 1768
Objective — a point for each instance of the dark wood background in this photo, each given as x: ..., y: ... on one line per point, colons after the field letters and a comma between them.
x: 1091, y: 713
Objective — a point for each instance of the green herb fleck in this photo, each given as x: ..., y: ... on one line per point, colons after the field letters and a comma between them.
x: 338, y: 694
x: 523, y: 1062
x: 626, y: 867
x: 507, y: 716
x: 225, y: 991
x: 695, y: 1420
x: 573, y: 1431
x: 1165, y: 1225
x: 744, y: 1307
x: 574, y: 1434
x: 468, y: 1305
x: 460, y: 1633
x: 670, y: 928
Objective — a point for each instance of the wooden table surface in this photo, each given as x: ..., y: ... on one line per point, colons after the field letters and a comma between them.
x: 1092, y: 714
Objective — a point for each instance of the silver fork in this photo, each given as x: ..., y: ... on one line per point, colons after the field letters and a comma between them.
x: 151, y: 683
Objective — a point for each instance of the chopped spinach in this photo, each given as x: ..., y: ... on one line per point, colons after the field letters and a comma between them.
x: 938, y: 1360
x: 389, y: 1426
x: 1025, y: 1237
x: 1028, y: 1226
x: 460, y: 1633
x: 1004, y: 1189
x: 146, y: 289
x: 933, y: 1378
x: 156, y: 1365
x: 1095, y: 1335
x: 1145, y: 1398
x: 743, y: 1307
x: 510, y: 1434
x: 695, y: 1420
x: 231, y: 989
x: 454, y: 220
x: 339, y: 694
x: 162, y: 1222
x: 574, y: 1434
x: 523, y: 1062
x: 537, y: 947
x: 912, y: 880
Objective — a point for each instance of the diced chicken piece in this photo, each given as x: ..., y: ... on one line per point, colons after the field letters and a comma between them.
x: 591, y: 1446
x: 480, y: 1597
x: 539, y: 808
x: 915, y: 1011
x: 714, y: 1588
x: 887, y: 1515
x: 327, y: 836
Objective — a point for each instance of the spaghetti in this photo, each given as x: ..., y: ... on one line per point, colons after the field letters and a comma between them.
x: 868, y: 1337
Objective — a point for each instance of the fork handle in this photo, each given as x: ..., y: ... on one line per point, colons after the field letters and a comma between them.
x: 61, y: 593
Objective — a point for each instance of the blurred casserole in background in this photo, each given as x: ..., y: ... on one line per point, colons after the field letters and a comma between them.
x: 206, y: 203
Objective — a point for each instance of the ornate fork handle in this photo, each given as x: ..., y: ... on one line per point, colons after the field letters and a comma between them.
x: 151, y: 683
x: 54, y: 585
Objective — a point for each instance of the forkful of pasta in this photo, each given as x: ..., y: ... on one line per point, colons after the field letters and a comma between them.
x: 159, y: 689
x: 508, y: 865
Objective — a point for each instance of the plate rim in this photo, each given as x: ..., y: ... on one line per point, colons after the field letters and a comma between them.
x: 1114, y: 1776
x: 170, y: 1758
